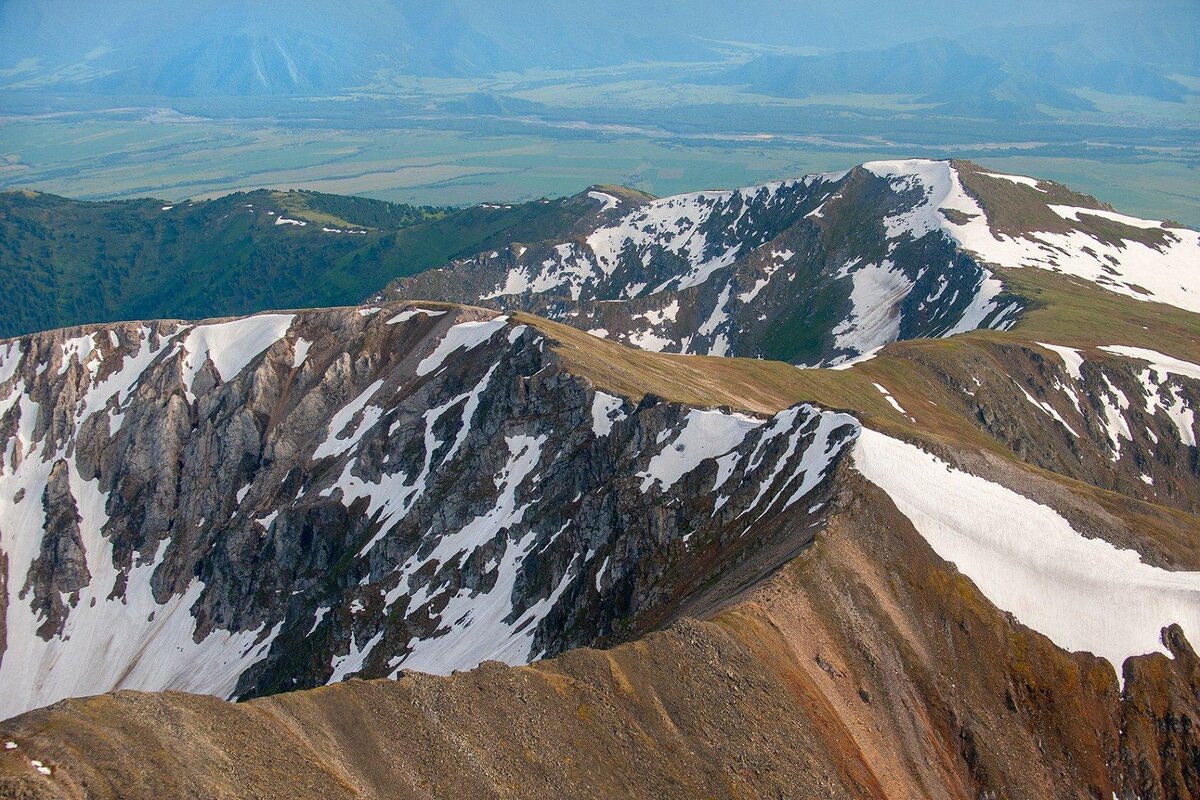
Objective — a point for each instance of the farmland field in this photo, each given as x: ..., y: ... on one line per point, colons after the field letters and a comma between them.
x: 517, y: 137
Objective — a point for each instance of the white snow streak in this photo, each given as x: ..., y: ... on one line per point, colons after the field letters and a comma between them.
x: 1167, y: 275
x: 463, y: 336
x: 705, y: 434
x: 230, y: 345
x: 335, y: 444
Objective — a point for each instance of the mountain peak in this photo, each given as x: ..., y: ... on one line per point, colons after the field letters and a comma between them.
x: 256, y: 505
x: 823, y: 269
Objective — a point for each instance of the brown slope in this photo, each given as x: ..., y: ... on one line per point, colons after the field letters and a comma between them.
x: 867, y: 668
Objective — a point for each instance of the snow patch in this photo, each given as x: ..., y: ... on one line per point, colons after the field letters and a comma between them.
x: 891, y: 400
x: 230, y: 345
x: 463, y: 336
x: 300, y: 352
x: 347, y: 665
x: 606, y: 200
x: 606, y: 410
x: 876, y: 293
x: 1021, y: 179
x: 1170, y: 274
x: 1157, y: 360
x: 334, y: 443
x: 485, y: 626
x: 1072, y: 359
x: 705, y: 434
x: 409, y: 313
x: 1084, y: 594
x: 1045, y: 408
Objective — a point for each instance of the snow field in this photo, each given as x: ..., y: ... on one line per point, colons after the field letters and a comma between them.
x: 1084, y: 594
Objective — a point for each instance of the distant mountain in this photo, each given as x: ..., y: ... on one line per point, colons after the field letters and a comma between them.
x: 824, y: 269
x: 1010, y: 73
x: 1159, y: 41
x: 958, y: 80
x: 930, y: 68
x: 246, y: 64
x: 815, y: 271
x: 241, y: 48
x: 233, y: 48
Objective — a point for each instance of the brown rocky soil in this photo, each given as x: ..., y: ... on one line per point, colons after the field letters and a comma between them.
x: 865, y: 668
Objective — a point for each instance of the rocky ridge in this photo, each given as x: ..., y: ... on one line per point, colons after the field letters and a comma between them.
x: 823, y: 269
x: 291, y: 499
x: 966, y: 566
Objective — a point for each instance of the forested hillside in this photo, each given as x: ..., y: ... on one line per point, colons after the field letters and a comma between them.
x: 67, y: 262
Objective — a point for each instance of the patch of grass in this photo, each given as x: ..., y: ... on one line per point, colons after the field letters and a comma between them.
x: 799, y: 335
x: 341, y: 211
x: 625, y: 193
x: 1073, y: 312
x: 1014, y: 208
x: 755, y: 385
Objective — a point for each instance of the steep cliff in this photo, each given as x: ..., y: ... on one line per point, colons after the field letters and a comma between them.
x: 281, y: 501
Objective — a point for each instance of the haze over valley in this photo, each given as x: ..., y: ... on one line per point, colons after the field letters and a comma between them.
x: 458, y: 103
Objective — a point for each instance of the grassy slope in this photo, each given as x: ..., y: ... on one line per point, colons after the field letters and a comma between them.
x: 1064, y: 311
x: 1077, y: 313
x: 1016, y: 208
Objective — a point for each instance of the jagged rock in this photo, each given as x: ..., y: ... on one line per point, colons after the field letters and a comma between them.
x: 60, y: 570
x: 417, y: 488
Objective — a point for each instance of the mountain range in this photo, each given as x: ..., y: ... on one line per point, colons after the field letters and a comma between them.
x: 882, y: 483
x: 993, y: 60
x: 1017, y: 72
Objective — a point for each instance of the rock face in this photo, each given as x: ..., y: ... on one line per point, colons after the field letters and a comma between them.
x: 823, y: 269
x: 801, y: 271
x: 962, y: 568
x: 286, y: 500
x: 1116, y: 417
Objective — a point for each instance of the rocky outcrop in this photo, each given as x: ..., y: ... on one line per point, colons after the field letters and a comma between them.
x: 281, y: 501
x: 821, y: 270
x: 1118, y: 418
x: 60, y: 569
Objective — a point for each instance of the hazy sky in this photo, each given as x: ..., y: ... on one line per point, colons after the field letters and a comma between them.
x: 72, y: 28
